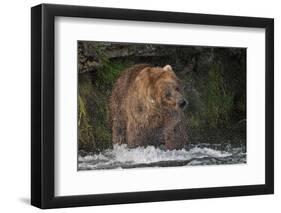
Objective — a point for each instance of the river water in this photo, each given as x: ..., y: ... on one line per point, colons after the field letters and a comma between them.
x: 121, y: 157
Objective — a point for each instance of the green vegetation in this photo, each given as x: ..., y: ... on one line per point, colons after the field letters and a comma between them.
x: 86, y: 130
x: 94, y: 92
x: 218, y: 100
x: 107, y: 74
x: 211, y: 104
x: 93, y: 125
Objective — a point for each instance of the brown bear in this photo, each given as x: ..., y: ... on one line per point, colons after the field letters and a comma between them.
x: 146, y: 108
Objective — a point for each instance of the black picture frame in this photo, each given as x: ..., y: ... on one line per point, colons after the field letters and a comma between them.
x: 43, y: 110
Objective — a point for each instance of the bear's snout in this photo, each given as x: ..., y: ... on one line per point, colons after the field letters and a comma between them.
x: 183, y: 103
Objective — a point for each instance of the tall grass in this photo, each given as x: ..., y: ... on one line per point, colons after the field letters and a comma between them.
x: 94, y: 91
x: 218, y: 99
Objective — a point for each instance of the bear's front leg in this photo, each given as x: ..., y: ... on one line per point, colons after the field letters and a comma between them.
x: 174, y: 135
x: 118, y: 132
x: 175, y: 131
x: 134, y: 135
x: 181, y: 137
x: 169, y: 136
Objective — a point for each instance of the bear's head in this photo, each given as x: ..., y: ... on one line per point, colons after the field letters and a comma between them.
x: 163, y: 88
x: 168, y: 90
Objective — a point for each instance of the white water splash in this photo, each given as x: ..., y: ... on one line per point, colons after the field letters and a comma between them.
x: 121, y: 156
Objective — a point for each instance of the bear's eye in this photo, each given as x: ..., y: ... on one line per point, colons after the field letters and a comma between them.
x: 168, y: 94
x: 177, y: 89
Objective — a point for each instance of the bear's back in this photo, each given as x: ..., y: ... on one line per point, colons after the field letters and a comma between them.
x: 126, y: 80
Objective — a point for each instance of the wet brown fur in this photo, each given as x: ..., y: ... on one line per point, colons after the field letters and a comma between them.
x: 144, y: 108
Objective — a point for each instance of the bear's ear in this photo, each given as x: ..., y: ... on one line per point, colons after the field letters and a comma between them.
x: 168, y: 68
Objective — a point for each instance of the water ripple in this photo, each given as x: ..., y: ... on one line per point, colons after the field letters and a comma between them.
x: 193, y: 155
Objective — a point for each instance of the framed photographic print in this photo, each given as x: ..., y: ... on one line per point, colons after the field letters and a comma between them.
x: 139, y: 106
